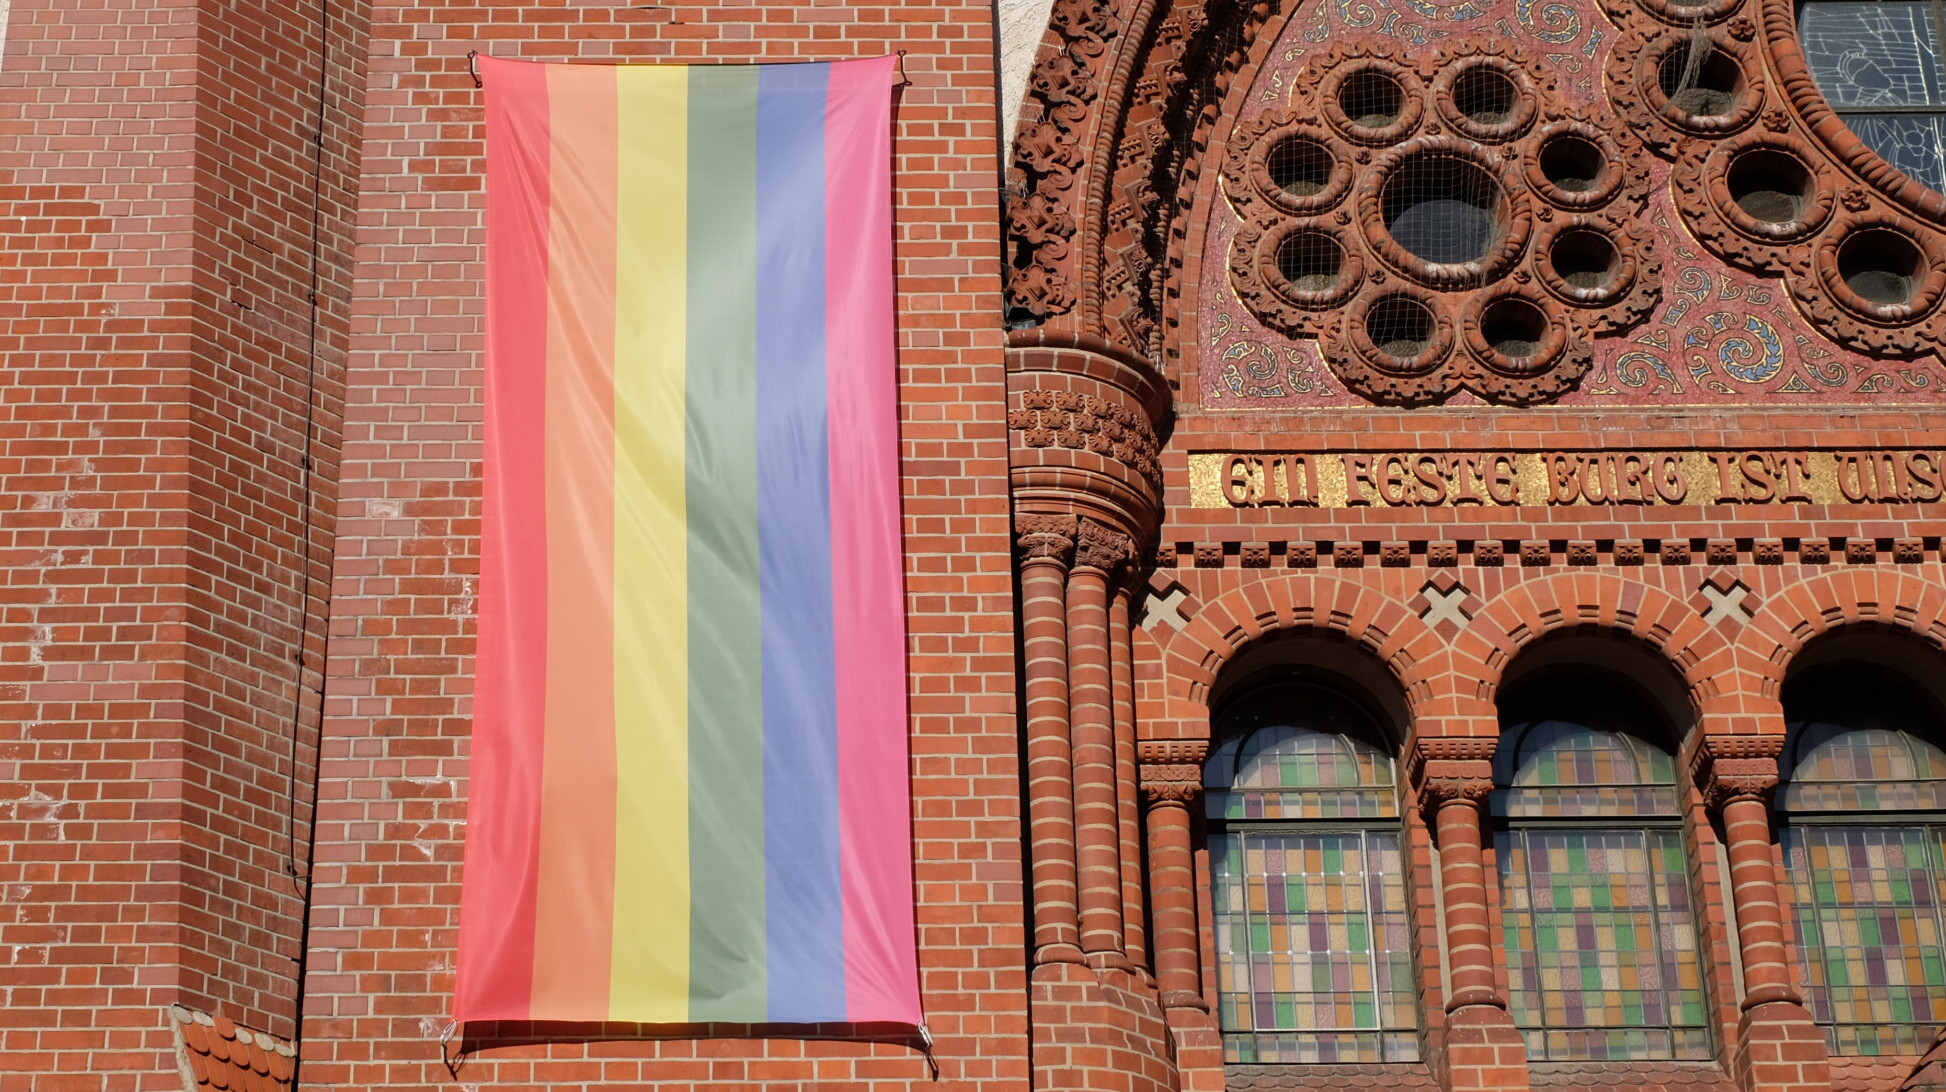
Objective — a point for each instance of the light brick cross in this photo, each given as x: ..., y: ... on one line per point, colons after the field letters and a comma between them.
x: 1445, y: 604
x: 1165, y: 609
x: 1726, y: 604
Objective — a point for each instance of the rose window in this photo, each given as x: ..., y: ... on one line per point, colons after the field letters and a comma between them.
x: 1446, y: 227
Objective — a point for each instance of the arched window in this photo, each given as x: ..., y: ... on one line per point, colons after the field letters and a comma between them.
x: 1879, y: 65
x: 1601, y: 941
x: 1864, y: 838
x: 1312, y: 946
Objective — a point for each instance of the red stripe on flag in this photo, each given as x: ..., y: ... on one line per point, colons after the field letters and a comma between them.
x: 503, y: 818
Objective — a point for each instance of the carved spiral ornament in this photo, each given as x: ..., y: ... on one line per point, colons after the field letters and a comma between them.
x: 1447, y: 224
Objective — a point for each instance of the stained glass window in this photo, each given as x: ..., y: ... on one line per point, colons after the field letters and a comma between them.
x: 1601, y: 940
x: 1313, y: 950
x: 1879, y: 65
x: 1870, y: 895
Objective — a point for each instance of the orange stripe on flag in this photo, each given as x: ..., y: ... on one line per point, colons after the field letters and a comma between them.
x: 577, y: 843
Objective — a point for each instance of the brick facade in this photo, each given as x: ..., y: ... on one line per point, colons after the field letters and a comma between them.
x: 240, y: 327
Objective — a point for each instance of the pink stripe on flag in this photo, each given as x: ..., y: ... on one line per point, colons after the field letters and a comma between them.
x: 868, y: 582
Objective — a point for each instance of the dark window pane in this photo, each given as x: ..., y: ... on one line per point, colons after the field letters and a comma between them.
x: 1911, y: 143
x: 1872, y: 54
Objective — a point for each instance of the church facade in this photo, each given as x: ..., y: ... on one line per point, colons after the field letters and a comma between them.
x: 1423, y: 529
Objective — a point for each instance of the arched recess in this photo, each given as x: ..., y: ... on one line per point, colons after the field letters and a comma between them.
x: 1226, y: 625
x: 1861, y: 821
x: 1587, y: 602
x: 1593, y: 827
x: 1789, y: 622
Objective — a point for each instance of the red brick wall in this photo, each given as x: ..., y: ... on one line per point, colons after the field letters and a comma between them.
x: 157, y: 180
x: 395, y: 753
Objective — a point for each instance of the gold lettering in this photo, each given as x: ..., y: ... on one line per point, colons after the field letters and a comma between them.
x: 1500, y: 479
x: 1727, y: 476
x: 1669, y: 482
x: 1431, y: 470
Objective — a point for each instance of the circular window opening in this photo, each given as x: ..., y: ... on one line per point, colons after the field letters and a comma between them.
x: 1771, y: 186
x: 1883, y: 267
x: 1371, y: 99
x: 1443, y: 208
x: 1310, y: 261
x: 1486, y: 95
x: 1300, y: 167
x: 1698, y: 80
x: 1513, y: 328
x: 1584, y: 259
x: 1400, y: 327
x: 1573, y: 164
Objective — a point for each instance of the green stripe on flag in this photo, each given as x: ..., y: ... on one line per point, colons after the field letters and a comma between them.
x: 727, y: 957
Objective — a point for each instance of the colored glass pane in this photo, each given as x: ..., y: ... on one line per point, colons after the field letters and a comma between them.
x: 1869, y: 924
x: 1601, y: 944
x: 1561, y: 768
x: 1313, y: 954
x: 1284, y: 771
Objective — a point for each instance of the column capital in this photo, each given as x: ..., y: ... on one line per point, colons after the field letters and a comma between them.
x: 1039, y: 536
x: 1101, y: 547
x: 1437, y: 792
x: 1732, y: 768
x: 1171, y: 770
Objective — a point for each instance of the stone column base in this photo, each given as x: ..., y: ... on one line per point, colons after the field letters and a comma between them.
x: 1484, y: 1051
x: 1781, y: 1050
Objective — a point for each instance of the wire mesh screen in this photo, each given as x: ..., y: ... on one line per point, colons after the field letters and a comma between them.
x: 1444, y: 207
x: 1771, y: 186
x: 1698, y: 80
x: 1371, y: 98
x: 1310, y: 261
x: 1300, y: 167
x: 1572, y: 164
x: 1486, y: 95
x: 1399, y: 326
x: 1583, y: 258
x: 1513, y: 328
x: 1883, y: 267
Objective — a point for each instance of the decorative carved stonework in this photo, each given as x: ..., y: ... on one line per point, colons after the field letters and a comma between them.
x: 1048, y: 158
x: 1077, y: 422
x: 1320, y: 252
x: 1044, y: 536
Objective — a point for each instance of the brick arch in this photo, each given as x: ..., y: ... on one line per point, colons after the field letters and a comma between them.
x: 1224, y: 626
x: 1594, y: 603
x: 1851, y: 598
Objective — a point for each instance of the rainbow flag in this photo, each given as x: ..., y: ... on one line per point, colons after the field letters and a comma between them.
x: 689, y: 792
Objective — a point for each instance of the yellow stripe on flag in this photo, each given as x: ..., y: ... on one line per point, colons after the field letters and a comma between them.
x: 650, y: 972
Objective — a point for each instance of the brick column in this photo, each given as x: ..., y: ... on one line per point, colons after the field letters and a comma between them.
x: 1045, y: 543
x: 1127, y: 787
x: 1457, y: 818
x: 1172, y: 780
x: 1483, y: 1049
x: 1778, y: 1047
x: 1099, y: 551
